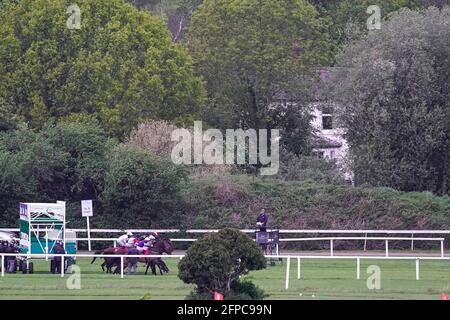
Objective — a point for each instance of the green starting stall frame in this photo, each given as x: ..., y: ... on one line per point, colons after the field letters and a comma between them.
x: 41, y: 226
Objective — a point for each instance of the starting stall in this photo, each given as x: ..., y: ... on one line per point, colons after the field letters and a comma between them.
x: 41, y: 226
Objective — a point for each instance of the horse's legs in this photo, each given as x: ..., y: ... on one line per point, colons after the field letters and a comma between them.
x: 152, y: 265
x: 109, y: 263
x: 118, y: 265
x: 164, y: 266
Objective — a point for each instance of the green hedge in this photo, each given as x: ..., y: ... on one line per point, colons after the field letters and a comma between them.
x: 235, y: 202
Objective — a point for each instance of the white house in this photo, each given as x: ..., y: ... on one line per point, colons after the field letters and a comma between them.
x: 330, y: 143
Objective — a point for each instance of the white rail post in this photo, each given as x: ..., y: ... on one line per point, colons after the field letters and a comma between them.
x: 114, y: 244
x: 412, y: 242
x: 298, y: 268
x: 365, y: 242
x: 278, y: 252
x: 288, y: 267
x: 417, y: 269
x: 358, y: 268
x: 121, y: 266
x: 3, y: 265
x: 442, y: 248
x: 46, y: 243
x: 331, y: 247
x: 387, y: 248
x: 89, y: 234
x: 62, y: 266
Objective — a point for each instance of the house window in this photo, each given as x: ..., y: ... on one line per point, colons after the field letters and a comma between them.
x: 327, y: 122
x: 318, y: 154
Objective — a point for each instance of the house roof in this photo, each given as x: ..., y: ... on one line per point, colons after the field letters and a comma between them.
x: 317, y: 84
x: 325, y: 143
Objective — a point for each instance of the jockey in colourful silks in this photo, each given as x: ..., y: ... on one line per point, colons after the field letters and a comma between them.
x: 122, y: 241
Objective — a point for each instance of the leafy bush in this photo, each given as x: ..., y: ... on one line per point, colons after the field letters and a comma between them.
x: 216, y: 261
x: 309, y: 205
x: 240, y: 290
x: 245, y: 290
x: 122, y: 66
x: 302, y: 168
x: 140, y: 187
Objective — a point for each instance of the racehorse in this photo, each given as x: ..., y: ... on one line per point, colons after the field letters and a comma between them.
x: 161, y: 246
x: 110, y: 262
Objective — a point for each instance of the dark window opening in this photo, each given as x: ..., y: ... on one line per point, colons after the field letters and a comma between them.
x: 327, y: 123
x: 318, y: 154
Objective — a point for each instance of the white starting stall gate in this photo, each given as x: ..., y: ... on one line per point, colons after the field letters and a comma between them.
x: 41, y: 226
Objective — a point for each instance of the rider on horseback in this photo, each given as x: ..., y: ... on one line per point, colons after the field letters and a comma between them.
x: 151, y: 239
x: 122, y: 241
x: 141, y: 245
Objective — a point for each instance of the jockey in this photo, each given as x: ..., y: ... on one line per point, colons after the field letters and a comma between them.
x: 131, y: 242
x: 151, y: 238
x: 122, y: 241
x: 141, y: 246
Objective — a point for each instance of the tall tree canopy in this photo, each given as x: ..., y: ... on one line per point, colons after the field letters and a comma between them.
x: 349, y: 17
x: 175, y: 13
x: 394, y: 88
x: 250, y: 50
x: 121, y: 65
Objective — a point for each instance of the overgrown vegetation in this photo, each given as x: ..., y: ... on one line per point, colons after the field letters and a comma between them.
x: 67, y: 98
x: 235, y: 201
x: 122, y: 67
x: 216, y: 262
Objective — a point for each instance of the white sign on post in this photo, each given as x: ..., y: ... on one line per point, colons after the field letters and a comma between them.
x: 86, y: 208
x: 87, y: 211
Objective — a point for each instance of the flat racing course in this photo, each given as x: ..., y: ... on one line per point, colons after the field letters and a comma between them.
x: 320, y: 279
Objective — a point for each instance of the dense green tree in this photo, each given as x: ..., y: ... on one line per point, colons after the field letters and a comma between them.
x: 140, y: 188
x: 176, y: 14
x: 394, y: 90
x: 60, y: 162
x: 120, y: 66
x: 7, y: 119
x: 349, y: 17
x: 216, y: 261
x: 31, y: 170
x: 14, y: 187
x: 303, y: 168
x: 253, y: 54
x: 88, y: 148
